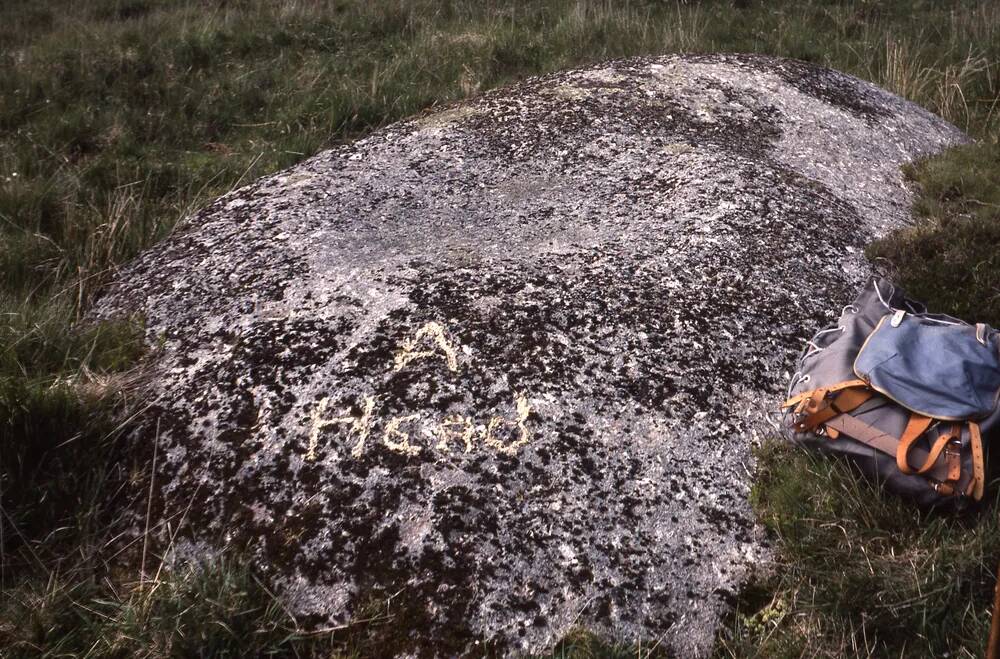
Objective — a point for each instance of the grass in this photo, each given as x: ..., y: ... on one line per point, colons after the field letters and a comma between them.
x: 224, y: 612
x: 119, y: 117
x: 860, y: 574
x: 950, y: 259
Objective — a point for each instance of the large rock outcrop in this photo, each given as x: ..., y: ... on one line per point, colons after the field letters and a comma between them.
x: 503, y: 364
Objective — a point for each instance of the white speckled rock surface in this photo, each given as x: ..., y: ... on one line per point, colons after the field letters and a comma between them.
x: 507, y: 360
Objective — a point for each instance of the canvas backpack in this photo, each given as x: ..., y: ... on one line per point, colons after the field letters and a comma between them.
x: 906, y: 395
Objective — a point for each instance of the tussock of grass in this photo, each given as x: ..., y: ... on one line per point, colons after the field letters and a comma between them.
x: 219, y: 611
x: 583, y: 644
x: 119, y: 117
x: 59, y: 393
x: 951, y: 259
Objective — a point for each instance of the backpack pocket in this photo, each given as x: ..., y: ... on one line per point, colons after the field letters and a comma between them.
x: 940, y: 369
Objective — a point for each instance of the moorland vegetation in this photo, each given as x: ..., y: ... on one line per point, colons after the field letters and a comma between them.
x: 120, y: 117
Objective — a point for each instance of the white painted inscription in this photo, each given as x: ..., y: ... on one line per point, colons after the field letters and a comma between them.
x: 400, y: 433
x: 360, y: 426
x: 434, y: 343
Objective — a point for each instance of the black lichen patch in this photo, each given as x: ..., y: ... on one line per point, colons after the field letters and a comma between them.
x: 829, y: 86
x: 629, y: 104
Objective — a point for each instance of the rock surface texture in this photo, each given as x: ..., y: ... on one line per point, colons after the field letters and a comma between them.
x: 503, y: 364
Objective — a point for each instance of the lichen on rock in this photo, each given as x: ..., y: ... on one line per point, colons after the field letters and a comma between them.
x: 508, y: 360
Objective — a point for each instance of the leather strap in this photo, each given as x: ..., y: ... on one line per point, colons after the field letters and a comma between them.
x: 944, y: 489
x: 951, y: 462
x: 857, y: 429
x: 871, y: 436
x: 846, y: 384
x: 939, y: 445
x: 845, y: 401
x: 953, y: 459
x: 946, y: 468
x: 978, y: 473
x: 915, y: 427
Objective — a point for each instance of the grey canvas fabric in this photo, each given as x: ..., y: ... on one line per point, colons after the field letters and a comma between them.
x: 940, y: 368
x: 829, y: 358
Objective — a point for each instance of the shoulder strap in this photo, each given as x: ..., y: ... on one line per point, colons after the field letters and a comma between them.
x: 978, y: 473
x: 814, y: 408
x: 915, y: 427
x: 795, y: 400
x: 942, y: 463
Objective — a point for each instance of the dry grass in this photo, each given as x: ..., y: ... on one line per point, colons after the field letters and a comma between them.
x: 940, y: 86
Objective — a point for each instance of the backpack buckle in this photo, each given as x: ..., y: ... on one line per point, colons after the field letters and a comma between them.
x: 943, y: 489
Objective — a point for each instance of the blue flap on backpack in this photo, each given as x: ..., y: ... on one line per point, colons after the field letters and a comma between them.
x: 939, y: 369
